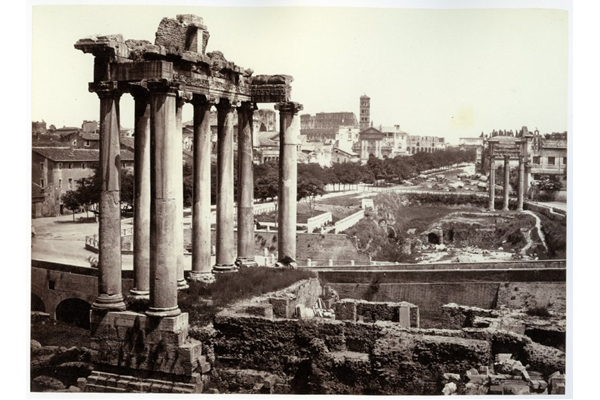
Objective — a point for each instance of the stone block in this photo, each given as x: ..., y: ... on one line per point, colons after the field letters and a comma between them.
x: 281, y: 307
x: 204, y: 365
x: 81, y: 382
x: 345, y: 310
x: 451, y: 377
x: 557, y: 385
x: 173, y: 324
x: 495, y: 389
x: 260, y: 310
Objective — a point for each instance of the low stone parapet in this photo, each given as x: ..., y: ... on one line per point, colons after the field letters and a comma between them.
x: 406, y: 314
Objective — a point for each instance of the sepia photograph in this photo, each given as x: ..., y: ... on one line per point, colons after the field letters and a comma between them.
x: 285, y: 198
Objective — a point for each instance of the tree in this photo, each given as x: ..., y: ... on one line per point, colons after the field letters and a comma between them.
x: 71, y: 201
x: 309, y: 187
x: 127, y: 184
x: 88, y: 192
x: 266, y: 181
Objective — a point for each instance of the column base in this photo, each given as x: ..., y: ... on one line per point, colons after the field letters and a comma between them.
x: 163, y: 312
x: 224, y: 268
x: 246, y: 262
x: 139, y: 294
x: 286, y: 262
x: 505, y: 209
x: 182, y: 285
x: 204, y: 277
x: 107, y: 302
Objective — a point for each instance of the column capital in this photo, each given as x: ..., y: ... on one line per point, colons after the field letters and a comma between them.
x: 226, y: 104
x: 139, y: 90
x: 289, y: 107
x: 201, y: 99
x: 183, y: 96
x: 506, y: 158
x: 106, y: 89
x: 247, y: 106
x: 163, y: 86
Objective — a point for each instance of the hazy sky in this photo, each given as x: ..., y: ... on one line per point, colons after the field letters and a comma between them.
x: 442, y: 72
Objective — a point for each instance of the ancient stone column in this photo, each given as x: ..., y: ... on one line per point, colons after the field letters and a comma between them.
x: 164, y: 154
x: 225, y: 207
x: 289, y: 124
x: 181, y: 99
x: 506, y: 182
x: 201, y: 214
x: 110, y: 296
x: 521, y: 190
x: 245, y: 198
x: 492, y: 183
x: 141, y: 200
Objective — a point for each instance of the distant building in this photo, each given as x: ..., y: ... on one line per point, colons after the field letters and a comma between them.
x: 474, y: 143
x: 38, y: 128
x: 342, y: 156
x: 425, y: 144
x: 365, y: 112
x: 548, y: 154
x: 55, y: 170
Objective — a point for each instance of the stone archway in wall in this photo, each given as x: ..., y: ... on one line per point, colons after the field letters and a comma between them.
x: 263, y: 127
x: 433, y: 238
x: 74, y: 311
x: 37, y: 304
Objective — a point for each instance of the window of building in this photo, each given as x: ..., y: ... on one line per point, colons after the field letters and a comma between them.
x: 75, y: 142
x: 70, y: 184
x: 86, y: 143
x: 536, y: 160
x: 551, y: 160
x: 565, y: 160
x: 59, y: 165
x: 70, y: 165
x: 42, y: 183
x: 60, y: 183
x: 42, y: 166
x: 83, y: 165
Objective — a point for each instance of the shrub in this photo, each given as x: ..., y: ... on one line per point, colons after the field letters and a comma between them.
x: 539, y: 311
x: 202, y: 301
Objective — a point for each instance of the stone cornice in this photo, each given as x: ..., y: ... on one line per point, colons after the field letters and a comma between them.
x: 289, y: 107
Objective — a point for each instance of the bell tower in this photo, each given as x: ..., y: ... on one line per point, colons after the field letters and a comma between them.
x: 365, y: 112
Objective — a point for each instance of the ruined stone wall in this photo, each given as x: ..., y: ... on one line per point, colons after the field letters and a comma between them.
x: 262, y: 355
x: 550, y: 295
x: 429, y: 290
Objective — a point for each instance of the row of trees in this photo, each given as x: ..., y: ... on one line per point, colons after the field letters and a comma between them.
x: 312, y: 178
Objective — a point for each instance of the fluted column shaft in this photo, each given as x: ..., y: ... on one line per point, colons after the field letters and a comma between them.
x: 492, y: 183
x: 506, y: 182
x: 181, y: 283
x: 521, y: 190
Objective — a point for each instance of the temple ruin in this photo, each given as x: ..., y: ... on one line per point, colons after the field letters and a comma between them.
x: 162, y: 77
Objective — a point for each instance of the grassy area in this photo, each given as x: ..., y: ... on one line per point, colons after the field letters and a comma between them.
x: 56, y: 333
x: 203, y: 301
x: 555, y: 232
x: 349, y: 200
x: 304, y: 213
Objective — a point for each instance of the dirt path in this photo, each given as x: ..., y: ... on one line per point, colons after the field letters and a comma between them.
x: 538, y: 226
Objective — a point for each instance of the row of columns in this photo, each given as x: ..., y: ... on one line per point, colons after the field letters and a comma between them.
x: 158, y: 219
x: 492, y: 184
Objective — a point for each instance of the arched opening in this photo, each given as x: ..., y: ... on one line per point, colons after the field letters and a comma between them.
x: 37, y: 304
x: 263, y: 128
x: 433, y: 238
x: 74, y: 311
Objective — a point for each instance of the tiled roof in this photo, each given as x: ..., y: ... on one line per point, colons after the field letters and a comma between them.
x: 68, y: 154
x: 127, y: 143
x: 344, y: 151
x: 90, y: 136
x: 266, y: 138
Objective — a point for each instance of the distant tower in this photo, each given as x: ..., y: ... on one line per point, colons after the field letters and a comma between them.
x: 365, y: 112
